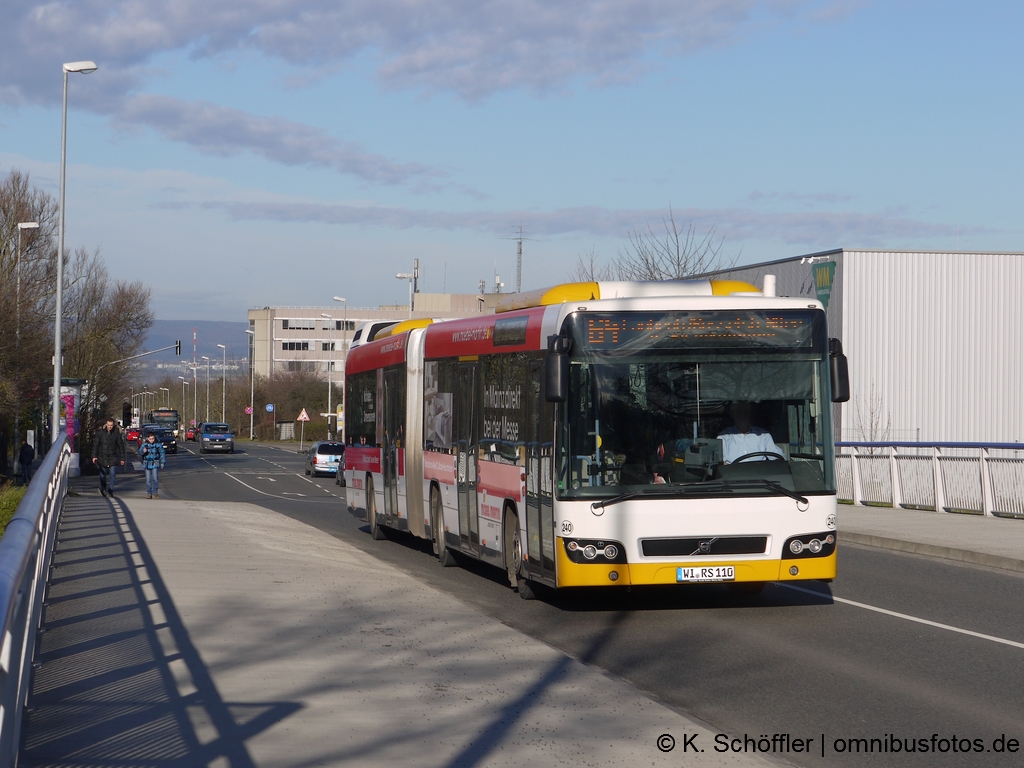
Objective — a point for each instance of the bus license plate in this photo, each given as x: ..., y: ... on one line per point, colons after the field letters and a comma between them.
x: 707, y: 573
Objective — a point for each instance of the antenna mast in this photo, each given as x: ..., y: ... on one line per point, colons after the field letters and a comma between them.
x: 519, y: 256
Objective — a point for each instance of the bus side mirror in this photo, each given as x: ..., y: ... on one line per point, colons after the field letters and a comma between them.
x: 556, y: 371
x: 839, y: 371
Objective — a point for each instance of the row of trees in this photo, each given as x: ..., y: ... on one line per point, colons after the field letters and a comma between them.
x: 104, y: 319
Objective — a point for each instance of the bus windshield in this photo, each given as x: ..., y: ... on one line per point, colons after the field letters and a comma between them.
x: 699, y: 403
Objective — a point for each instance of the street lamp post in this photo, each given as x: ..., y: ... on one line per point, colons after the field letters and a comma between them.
x: 17, y: 346
x: 330, y: 365
x: 84, y: 67
x: 252, y: 384
x: 344, y: 361
x: 168, y: 391
x: 184, y: 402
x: 407, y: 276
x: 207, y: 386
x: 224, y: 384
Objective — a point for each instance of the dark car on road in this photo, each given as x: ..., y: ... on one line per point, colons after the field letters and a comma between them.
x: 324, y: 457
x: 216, y: 437
x: 164, y: 435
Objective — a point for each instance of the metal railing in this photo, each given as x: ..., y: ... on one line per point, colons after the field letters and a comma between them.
x: 946, y: 477
x: 25, y: 552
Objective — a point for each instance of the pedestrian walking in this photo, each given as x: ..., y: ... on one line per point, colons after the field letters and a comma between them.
x: 26, y: 456
x: 153, y: 458
x: 108, y: 453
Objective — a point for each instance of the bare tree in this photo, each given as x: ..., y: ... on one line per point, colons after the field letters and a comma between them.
x: 102, y: 320
x: 677, y: 254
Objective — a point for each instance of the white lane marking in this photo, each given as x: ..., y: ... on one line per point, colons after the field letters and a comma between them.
x: 264, y: 493
x: 907, y: 617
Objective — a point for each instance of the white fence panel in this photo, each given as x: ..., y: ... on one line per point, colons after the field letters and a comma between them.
x: 917, y: 481
x: 875, y: 479
x: 961, y: 484
x: 1007, y: 478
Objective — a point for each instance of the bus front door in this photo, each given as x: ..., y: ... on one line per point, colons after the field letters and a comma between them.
x: 539, y: 513
x: 466, y: 440
x: 392, y: 441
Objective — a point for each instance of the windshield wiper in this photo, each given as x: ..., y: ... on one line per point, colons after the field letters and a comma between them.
x: 670, y: 489
x: 656, y: 490
x: 755, y: 482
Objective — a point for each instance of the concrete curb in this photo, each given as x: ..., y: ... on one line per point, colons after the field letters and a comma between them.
x: 932, y: 550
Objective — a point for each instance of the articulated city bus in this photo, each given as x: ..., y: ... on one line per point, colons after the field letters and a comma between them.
x: 607, y: 433
x: 164, y: 417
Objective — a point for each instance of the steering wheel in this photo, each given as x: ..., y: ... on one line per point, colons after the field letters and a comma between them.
x: 770, y: 455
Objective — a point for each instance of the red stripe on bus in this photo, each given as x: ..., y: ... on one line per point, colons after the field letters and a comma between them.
x: 439, y: 466
x: 475, y: 335
x: 362, y: 459
x: 503, y: 480
x: 377, y: 354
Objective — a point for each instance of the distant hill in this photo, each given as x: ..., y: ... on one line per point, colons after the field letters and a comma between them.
x: 209, y: 333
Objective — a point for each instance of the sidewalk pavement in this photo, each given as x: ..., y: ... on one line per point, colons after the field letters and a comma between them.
x: 990, y: 541
x: 223, y: 634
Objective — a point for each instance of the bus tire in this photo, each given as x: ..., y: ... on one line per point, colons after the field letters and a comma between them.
x: 747, y: 588
x: 514, y: 555
x: 444, y: 555
x: 376, y: 529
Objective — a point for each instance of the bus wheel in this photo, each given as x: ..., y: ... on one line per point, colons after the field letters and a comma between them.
x: 747, y: 588
x: 514, y: 556
x: 444, y: 555
x: 376, y: 530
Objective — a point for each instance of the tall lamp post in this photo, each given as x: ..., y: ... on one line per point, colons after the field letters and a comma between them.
x: 344, y: 360
x: 252, y: 384
x: 84, y: 67
x: 330, y: 366
x: 17, y: 346
x: 224, y: 384
x: 407, y: 276
x: 207, y: 387
x: 168, y: 391
x: 184, y: 402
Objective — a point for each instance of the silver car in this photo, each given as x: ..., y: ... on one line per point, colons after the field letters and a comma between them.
x: 324, y: 457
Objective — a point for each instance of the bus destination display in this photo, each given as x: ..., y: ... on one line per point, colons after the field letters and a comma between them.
x: 732, y: 328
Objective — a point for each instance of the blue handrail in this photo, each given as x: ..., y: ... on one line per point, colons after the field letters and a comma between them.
x: 25, y: 551
x: 991, y: 446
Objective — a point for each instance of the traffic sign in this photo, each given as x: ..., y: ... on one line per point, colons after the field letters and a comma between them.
x: 248, y: 410
x: 270, y: 407
x: 303, y: 416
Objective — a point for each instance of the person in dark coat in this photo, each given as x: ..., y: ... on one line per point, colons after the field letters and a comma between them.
x: 26, y: 456
x: 108, y: 453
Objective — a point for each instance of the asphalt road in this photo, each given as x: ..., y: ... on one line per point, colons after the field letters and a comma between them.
x: 899, y: 646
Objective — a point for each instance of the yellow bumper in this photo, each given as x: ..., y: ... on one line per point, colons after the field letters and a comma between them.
x: 570, y: 574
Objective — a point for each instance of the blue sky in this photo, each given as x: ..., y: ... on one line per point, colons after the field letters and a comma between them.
x: 238, y: 153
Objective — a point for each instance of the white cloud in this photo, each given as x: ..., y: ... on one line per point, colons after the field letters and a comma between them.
x: 810, y: 229
x: 471, y: 47
x: 218, y: 130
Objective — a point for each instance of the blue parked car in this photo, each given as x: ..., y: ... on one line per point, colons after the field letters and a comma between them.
x: 216, y: 437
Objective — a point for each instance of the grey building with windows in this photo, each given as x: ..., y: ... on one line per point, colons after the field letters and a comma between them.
x: 316, y: 339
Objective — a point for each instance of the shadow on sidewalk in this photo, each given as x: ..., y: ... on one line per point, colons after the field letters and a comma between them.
x: 121, y: 682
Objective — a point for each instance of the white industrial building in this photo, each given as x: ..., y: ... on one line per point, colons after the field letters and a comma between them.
x: 934, y: 339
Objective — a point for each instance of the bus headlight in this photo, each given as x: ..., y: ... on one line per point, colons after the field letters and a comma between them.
x: 809, y: 545
x: 611, y: 551
x: 590, y: 552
